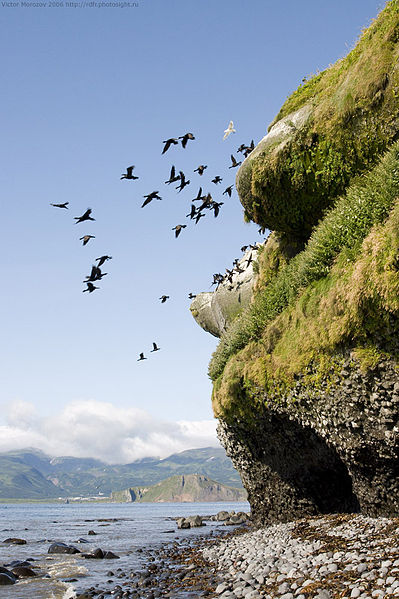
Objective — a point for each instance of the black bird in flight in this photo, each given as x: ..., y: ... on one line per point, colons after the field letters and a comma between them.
x: 249, y: 149
x: 242, y: 148
x: 86, y: 238
x: 207, y: 202
x: 141, y: 357
x: 234, y: 162
x: 199, y: 196
x: 90, y: 287
x: 128, y: 174
x: 244, y: 248
x: 200, y: 169
x: 185, y: 138
x: 217, y: 180
x: 151, y: 196
x: 172, y: 177
x: 198, y: 217
x: 183, y: 181
x: 191, y: 295
x: 95, y: 275
x: 163, y: 298
x: 154, y: 345
x: 228, y: 191
x: 64, y: 205
x: 85, y: 216
x: 177, y: 229
x: 102, y: 259
x: 193, y: 212
x: 216, y: 207
x: 168, y: 143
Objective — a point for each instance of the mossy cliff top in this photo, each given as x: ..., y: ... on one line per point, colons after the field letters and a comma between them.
x: 329, y: 189
x: 330, y: 130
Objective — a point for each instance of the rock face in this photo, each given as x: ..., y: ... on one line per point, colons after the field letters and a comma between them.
x: 306, y: 377
x: 215, y: 310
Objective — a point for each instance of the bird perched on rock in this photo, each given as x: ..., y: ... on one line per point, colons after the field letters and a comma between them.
x: 234, y: 162
x: 177, y: 229
x: 228, y: 191
x: 102, y: 259
x: 155, y: 347
x: 191, y: 295
x: 90, y: 288
x: 185, y: 138
x: 200, y: 169
x: 85, y: 216
x: 86, y: 238
x: 172, y: 177
x: 141, y: 357
x: 163, y: 298
x: 217, y: 180
x: 183, y: 182
x: 151, y: 196
x: 64, y: 205
x: 230, y: 129
x: 168, y: 143
x: 129, y: 173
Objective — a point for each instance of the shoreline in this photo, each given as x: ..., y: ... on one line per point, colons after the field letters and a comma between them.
x: 338, y: 556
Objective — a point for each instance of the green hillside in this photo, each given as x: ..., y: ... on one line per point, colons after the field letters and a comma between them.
x: 31, y: 474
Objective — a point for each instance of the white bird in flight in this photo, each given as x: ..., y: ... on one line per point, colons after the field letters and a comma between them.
x: 230, y: 129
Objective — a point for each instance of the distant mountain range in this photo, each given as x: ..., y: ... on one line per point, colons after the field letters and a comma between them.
x: 31, y: 474
x: 178, y: 488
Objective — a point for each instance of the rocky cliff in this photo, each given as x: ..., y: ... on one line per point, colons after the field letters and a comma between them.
x: 182, y: 488
x: 306, y: 380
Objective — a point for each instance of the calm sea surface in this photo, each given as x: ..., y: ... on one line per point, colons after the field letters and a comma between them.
x: 138, y: 525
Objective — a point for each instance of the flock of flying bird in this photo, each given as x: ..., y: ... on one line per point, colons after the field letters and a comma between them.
x: 196, y: 213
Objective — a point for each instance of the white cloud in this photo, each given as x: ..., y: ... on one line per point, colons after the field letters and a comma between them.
x: 89, y: 428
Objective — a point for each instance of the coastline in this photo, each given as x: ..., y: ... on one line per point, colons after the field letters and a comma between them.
x: 337, y: 556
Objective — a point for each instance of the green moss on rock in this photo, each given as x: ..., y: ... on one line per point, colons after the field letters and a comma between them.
x: 333, y: 128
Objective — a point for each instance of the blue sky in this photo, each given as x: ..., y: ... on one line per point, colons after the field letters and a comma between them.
x: 85, y: 93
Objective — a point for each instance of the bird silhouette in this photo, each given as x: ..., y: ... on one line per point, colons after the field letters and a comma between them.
x: 244, y: 248
x: 142, y: 357
x: 102, y: 259
x: 217, y: 180
x: 200, y: 169
x: 228, y: 191
x: 234, y: 162
x: 191, y: 295
x: 86, y: 238
x: 177, y: 229
x: 230, y: 129
x: 249, y: 149
x: 183, y: 182
x: 151, y: 196
x: 85, y: 216
x: 193, y: 212
x: 185, y: 138
x: 216, y: 207
x: 242, y: 148
x: 168, y: 143
x: 95, y: 275
x: 64, y: 205
x: 128, y: 174
x: 199, y: 196
x: 198, y: 217
x: 155, y: 347
x: 90, y: 287
x: 163, y: 298
x: 172, y: 177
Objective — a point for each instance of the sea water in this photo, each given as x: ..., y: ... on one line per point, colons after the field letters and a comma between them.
x: 122, y: 528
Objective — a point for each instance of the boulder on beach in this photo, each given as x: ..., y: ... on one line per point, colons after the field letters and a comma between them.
x: 190, y: 522
x: 7, y: 578
x: 23, y: 572
x: 14, y: 541
x: 62, y: 548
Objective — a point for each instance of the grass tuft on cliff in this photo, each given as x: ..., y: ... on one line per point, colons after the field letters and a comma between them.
x: 353, y: 119
x: 309, y: 275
